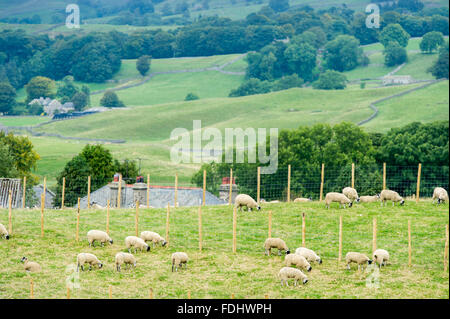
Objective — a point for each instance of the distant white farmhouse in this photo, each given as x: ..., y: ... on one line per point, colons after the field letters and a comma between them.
x: 397, y: 79
x: 51, y: 107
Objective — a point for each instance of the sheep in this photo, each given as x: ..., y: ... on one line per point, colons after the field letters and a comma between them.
x: 125, y: 258
x: 369, y: 199
x: 3, y: 232
x: 386, y: 195
x: 297, y: 260
x: 440, y: 194
x: 288, y: 272
x: 245, y: 200
x: 153, y: 237
x: 381, y: 256
x: 337, y: 197
x: 277, y: 243
x: 309, y: 254
x: 137, y: 243
x: 87, y: 258
x: 30, y: 266
x: 178, y: 259
x: 98, y: 235
x: 351, y: 194
x: 358, y: 258
x: 94, y: 205
x: 302, y: 200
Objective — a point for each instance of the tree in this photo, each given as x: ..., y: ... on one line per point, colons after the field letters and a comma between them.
x: 143, y: 64
x: 431, y: 41
x: 85, y: 89
x: 279, y: 5
x: 394, y: 54
x: 411, y: 5
x: 40, y: 86
x: 394, y: 33
x: 79, y: 101
x: 7, y: 97
x: 191, y: 97
x: 7, y: 169
x: 331, y: 80
x: 343, y: 53
x: 301, y: 59
x: 287, y: 82
x: 100, y: 163
x: 110, y: 99
x: 67, y: 89
x: 440, y: 68
x: 250, y: 87
x: 439, y: 23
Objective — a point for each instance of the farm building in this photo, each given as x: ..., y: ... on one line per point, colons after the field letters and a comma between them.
x: 397, y: 79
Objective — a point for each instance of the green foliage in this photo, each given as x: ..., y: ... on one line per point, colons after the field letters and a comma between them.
x: 191, y: 97
x: 67, y: 88
x: 440, y: 69
x: 301, y: 59
x: 287, y: 82
x: 40, y: 86
x: 80, y: 101
x: 110, y: 99
x: 279, y: 5
x: 331, y: 80
x: 251, y: 87
x: 7, y: 169
x: 343, y: 53
x: 431, y: 41
x: 394, y: 33
x: 35, y: 109
x: 7, y: 97
x: 128, y: 169
x: 394, y: 54
x: 143, y: 64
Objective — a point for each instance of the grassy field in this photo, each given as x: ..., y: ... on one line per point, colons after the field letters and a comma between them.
x: 216, y: 272
x: 22, y: 120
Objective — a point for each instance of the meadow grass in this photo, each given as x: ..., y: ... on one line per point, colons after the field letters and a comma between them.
x: 23, y: 120
x: 216, y: 272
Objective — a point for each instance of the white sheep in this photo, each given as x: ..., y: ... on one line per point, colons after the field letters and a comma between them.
x: 245, y: 200
x: 288, y: 272
x: 358, y: 258
x: 369, y: 199
x: 178, y: 259
x: 124, y: 258
x: 98, y: 235
x: 440, y: 195
x: 94, y: 205
x: 155, y: 238
x: 87, y: 258
x: 137, y: 243
x: 3, y: 232
x: 297, y: 260
x: 309, y: 254
x: 302, y: 200
x: 386, y: 195
x: 381, y: 256
x: 337, y: 197
x: 276, y: 243
x: 351, y: 194
x: 30, y: 266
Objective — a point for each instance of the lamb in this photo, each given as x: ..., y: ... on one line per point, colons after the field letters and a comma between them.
x: 178, y: 259
x: 337, y: 197
x: 3, y: 232
x: 125, y: 258
x: 381, y: 256
x: 386, y: 195
x: 288, y: 272
x: 137, y: 243
x: 153, y: 237
x: 358, y: 258
x: 297, y: 260
x: 440, y: 194
x: 30, y: 266
x: 87, y: 258
x: 245, y: 200
x: 277, y: 243
x: 302, y: 200
x: 98, y: 235
x: 351, y: 194
x: 309, y: 254
x: 369, y: 199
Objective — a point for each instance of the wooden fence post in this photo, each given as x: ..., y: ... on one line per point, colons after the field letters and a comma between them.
x: 119, y: 191
x: 384, y: 176
x: 289, y: 184
x: 107, y: 216
x: 270, y: 224
x: 89, y: 192
x: 136, y: 221
x: 10, y: 212
x: 340, y: 239
x: 78, y: 220
x: 150, y: 294
x: 230, y: 199
x: 409, y: 244
x: 204, y: 187
x: 353, y: 175
x: 31, y: 289
x: 419, y: 171
x: 234, y: 228
x: 266, y: 296
x: 42, y: 214
x: 176, y: 191
x: 63, y: 192
x: 68, y: 293
x: 303, y: 230
x: 148, y: 190
x: 321, y: 181
x: 232, y: 296
x: 200, y: 228
x: 258, y: 185
x: 446, y: 249
x: 45, y: 186
x: 24, y: 191
x: 374, y: 235
x: 110, y: 292
x: 167, y: 224
x: 189, y: 294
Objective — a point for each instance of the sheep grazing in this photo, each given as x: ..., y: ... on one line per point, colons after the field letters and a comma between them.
x: 98, y: 235
x: 137, y: 243
x: 298, y: 261
x: 358, y: 258
x: 155, y: 238
x: 369, y: 199
x: 386, y: 195
x: 381, y: 257
x: 125, y: 258
x: 351, y: 194
x: 30, y: 266
x: 439, y: 194
x: 277, y: 243
x: 3, y: 232
x: 288, y: 272
x: 245, y: 200
x: 87, y: 258
x: 178, y: 259
x: 337, y: 197
x: 302, y: 200
x: 309, y: 254
x: 94, y: 205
